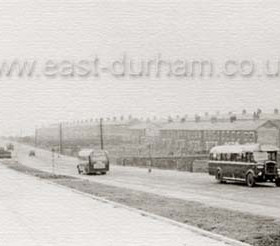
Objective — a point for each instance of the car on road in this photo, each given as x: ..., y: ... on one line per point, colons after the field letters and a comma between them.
x: 32, y: 153
x: 93, y: 161
x: 10, y: 146
x: 250, y: 163
x: 5, y: 154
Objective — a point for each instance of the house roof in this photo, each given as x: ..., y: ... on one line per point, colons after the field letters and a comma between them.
x: 221, y: 126
x: 275, y: 123
x: 144, y: 125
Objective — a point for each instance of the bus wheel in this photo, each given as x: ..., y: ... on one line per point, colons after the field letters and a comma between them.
x: 250, y: 180
x: 277, y: 182
x: 219, y: 176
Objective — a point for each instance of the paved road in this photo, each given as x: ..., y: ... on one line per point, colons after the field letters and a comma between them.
x: 36, y: 213
x: 262, y: 200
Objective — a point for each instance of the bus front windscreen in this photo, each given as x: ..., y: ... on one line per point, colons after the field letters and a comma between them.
x: 260, y: 156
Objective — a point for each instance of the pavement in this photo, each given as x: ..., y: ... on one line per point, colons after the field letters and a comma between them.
x: 262, y: 200
x: 37, y: 212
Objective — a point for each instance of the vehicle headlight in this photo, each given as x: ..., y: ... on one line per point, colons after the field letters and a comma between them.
x: 259, y: 166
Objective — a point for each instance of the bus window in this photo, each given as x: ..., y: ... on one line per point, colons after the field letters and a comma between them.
x: 243, y: 157
x: 249, y: 157
x: 228, y: 155
x: 218, y: 157
x: 238, y: 157
x: 214, y: 156
x: 272, y: 156
x: 261, y: 156
x: 233, y: 157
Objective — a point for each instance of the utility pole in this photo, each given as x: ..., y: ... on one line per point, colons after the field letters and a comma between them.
x: 53, y: 151
x: 60, y: 139
x: 151, y: 159
x: 101, y: 134
x: 35, y: 138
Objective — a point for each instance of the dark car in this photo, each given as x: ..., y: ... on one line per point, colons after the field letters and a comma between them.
x: 10, y: 146
x: 32, y: 153
x: 5, y: 154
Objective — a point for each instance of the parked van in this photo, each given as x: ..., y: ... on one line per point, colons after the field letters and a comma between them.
x: 93, y: 161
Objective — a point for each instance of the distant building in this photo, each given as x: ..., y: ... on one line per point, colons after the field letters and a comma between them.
x: 144, y: 132
x: 202, y: 136
x: 269, y: 133
x: 178, y: 136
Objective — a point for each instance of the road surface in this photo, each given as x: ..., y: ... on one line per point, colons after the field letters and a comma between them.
x: 262, y: 200
x: 35, y: 212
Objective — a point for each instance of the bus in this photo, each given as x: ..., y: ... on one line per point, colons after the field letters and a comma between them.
x: 250, y: 163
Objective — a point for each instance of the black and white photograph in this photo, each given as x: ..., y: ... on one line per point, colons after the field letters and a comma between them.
x: 140, y: 123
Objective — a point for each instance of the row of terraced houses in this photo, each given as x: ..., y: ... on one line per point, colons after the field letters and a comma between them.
x: 178, y: 136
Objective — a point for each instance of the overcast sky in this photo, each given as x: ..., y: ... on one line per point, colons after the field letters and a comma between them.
x: 81, y: 29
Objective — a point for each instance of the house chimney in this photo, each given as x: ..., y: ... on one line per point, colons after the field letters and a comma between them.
x: 256, y: 116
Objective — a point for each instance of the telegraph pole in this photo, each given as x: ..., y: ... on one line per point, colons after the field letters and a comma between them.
x: 53, y: 150
x: 101, y: 134
x: 60, y: 139
x: 35, y: 138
